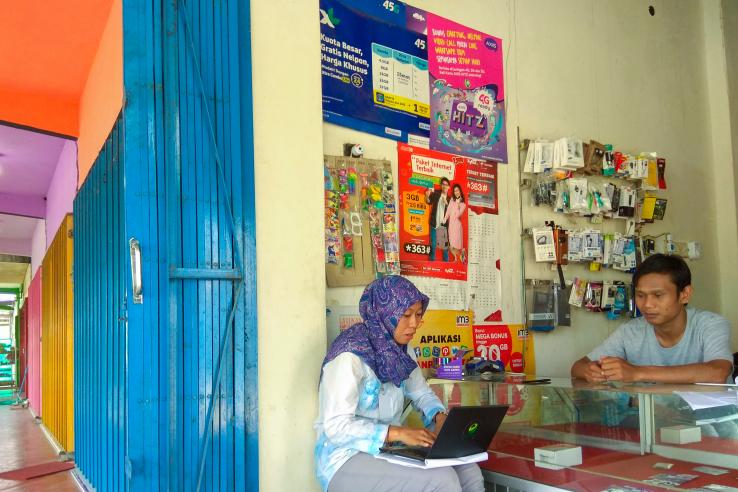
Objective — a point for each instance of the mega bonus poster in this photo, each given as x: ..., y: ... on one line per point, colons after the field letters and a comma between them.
x: 512, y: 344
x: 394, y: 70
x: 427, y: 178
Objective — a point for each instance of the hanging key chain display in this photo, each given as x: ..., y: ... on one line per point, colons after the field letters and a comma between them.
x: 360, y: 221
x: 332, y: 221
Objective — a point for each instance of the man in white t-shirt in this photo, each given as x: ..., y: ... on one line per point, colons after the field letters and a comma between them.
x: 670, y: 343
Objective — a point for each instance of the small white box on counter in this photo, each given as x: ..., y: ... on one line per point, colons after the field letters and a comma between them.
x: 558, y: 456
x: 681, y: 434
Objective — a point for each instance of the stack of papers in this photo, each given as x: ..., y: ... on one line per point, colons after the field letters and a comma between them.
x: 434, y: 463
x: 698, y: 401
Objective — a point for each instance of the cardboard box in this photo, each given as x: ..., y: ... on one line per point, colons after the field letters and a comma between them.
x: 681, y: 434
x: 558, y: 456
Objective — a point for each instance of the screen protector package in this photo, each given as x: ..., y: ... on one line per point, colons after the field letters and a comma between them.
x: 541, y: 305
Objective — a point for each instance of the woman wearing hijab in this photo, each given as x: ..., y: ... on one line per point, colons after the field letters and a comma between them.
x: 366, y: 375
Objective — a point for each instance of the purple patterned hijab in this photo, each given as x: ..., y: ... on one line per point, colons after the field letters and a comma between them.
x: 381, y: 305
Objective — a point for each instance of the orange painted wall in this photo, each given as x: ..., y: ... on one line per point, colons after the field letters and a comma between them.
x: 48, y: 112
x: 102, y: 98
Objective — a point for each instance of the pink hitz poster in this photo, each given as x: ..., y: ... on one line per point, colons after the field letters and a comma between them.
x: 467, y: 91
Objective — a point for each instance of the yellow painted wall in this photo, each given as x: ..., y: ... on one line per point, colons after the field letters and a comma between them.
x: 289, y: 217
x: 721, y: 28
x: 57, y: 338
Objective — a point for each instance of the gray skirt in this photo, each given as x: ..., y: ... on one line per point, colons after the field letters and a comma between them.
x: 365, y: 473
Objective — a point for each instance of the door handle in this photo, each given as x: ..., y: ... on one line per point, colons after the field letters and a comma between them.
x: 136, y: 285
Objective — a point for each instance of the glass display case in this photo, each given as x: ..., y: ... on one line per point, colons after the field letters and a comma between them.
x: 631, y: 436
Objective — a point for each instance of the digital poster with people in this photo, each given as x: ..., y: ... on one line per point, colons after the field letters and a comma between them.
x: 434, y: 213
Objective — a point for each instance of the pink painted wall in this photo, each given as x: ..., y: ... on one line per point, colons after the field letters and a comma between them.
x: 62, y: 189
x: 25, y: 205
x: 34, y: 343
x: 20, y: 247
x: 102, y: 98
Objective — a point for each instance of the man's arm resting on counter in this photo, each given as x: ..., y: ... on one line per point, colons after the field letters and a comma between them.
x: 586, y: 369
x: 714, y: 371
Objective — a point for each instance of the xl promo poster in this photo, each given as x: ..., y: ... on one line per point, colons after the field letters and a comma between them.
x: 512, y: 344
x: 394, y: 70
x: 434, y: 213
x: 374, y: 73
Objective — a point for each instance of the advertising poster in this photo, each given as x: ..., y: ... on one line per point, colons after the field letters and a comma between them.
x: 482, y: 179
x: 434, y: 224
x: 397, y: 71
x: 442, y: 334
x: 512, y: 344
x: 467, y: 101
x: 483, y: 275
x: 375, y: 74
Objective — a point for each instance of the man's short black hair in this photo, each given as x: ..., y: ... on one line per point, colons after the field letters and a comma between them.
x: 446, y: 180
x: 674, y: 266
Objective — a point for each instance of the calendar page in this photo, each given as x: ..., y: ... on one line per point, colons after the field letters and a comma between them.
x: 484, y: 283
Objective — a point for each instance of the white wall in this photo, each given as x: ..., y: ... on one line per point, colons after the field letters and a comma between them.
x: 729, y: 270
x: 289, y: 218
x: 637, y: 81
x: 640, y: 83
x: 38, y: 246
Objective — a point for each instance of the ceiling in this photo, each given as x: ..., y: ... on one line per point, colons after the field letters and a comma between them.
x: 27, y: 160
x: 16, y: 227
x: 47, y: 46
x: 16, y: 238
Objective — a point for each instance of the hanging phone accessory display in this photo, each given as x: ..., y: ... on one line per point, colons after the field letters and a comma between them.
x: 593, y: 297
x: 375, y: 228
x: 391, y: 240
x: 561, y: 302
x: 592, y: 245
x: 332, y: 220
x: 578, y: 289
x: 361, y: 232
x: 594, y: 154
x: 661, y: 170
x: 356, y: 224
x: 541, y: 305
x: 608, y: 162
x: 543, y: 191
x: 659, y: 209
x: 345, y: 187
x: 578, y: 191
x: 627, y: 202
x: 347, y: 240
x: 543, y: 244
x: 613, y: 299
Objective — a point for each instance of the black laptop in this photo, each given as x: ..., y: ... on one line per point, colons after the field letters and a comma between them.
x: 467, y: 431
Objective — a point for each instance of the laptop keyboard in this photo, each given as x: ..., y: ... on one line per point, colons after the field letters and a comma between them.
x: 415, y: 452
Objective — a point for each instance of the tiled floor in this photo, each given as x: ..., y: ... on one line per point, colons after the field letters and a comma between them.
x: 22, y: 443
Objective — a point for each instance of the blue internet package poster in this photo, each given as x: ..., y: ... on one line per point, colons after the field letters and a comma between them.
x: 375, y: 73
